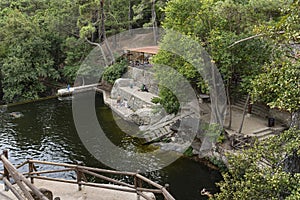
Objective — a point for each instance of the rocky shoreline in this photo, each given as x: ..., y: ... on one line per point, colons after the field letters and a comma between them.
x: 172, y: 132
x: 191, y: 127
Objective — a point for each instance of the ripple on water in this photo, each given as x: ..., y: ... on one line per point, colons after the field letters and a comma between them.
x: 46, y: 132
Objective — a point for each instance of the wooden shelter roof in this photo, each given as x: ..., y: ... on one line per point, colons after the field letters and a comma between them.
x: 148, y: 49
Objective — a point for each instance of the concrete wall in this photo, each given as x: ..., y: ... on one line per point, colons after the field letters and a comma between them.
x: 141, y: 76
x: 122, y: 88
x: 281, y: 117
x: 134, y: 102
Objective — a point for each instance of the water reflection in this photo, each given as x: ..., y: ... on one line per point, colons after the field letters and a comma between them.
x: 46, y: 132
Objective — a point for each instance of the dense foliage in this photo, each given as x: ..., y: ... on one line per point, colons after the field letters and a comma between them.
x: 115, y: 71
x: 278, y: 84
x: 43, y: 42
x: 217, y: 25
x: 265, y: 171
x: 254, y: 44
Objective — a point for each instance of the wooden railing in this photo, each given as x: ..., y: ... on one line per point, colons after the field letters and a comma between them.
x: 138, y: 185
x: 20, y: 180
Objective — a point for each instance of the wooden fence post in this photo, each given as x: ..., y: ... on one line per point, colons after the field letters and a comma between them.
x: 79, y: 178
x: 167, y: 188
x: 6, y: 173
x: 30, y: 166
x: 137, y: 183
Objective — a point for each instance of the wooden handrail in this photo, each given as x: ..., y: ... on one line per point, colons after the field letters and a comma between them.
x: 22, y: 164
x: 20, y: 180
x: 81, y: 171
x: 107, y: 178
x: 47, y: 172
x: 14, y: 190
x: 83, y: 167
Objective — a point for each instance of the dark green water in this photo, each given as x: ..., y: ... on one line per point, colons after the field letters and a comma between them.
x: 46, y: 131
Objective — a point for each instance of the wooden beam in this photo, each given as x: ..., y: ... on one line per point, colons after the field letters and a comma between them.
x: 13, y: 189
x: 83, y: 167
x: 107, y: 179
x: 20, y: 179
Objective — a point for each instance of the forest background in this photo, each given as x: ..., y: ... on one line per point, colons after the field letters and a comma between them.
x: 254, y: 44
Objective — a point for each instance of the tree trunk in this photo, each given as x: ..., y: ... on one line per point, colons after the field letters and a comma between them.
x: 1, y: 89
x: 102, y: 34
x: 102, y: 37
x: 292, y: 163
x: 83, y: 81
x: 296, y: 120
x: 229, y: 104
x: 244, y: 113
x: 129, y: 15
x: 154, y: 22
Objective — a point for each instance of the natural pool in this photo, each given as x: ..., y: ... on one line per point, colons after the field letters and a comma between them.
x: 46, y: 131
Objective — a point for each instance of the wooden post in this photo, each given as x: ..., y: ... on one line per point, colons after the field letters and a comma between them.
x: 21, y: 180
x: 79, y: 178
x: 30, y: 165
x: 167, y: 188
x: 244, y: 113
x: 6, y: 173
x: 13, y: 189
x: 137, y: 184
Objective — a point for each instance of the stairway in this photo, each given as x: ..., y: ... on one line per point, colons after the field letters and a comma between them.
x: 264, y: 133
x: 162, y: 128
x: 267, y: 132
x: 257, y: 108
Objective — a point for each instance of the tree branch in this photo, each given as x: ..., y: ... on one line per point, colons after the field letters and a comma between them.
x: 92, y: 43
x: 252, y: 37
x: 101, y: 49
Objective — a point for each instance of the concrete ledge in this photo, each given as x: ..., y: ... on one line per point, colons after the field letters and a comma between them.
x: 143, y: 96
x: 122, y: 111
x: 67, y: 92
x: 70, y: 192
x: 131, y: 94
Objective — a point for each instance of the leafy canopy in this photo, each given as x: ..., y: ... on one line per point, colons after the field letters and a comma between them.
x: 264, y: 171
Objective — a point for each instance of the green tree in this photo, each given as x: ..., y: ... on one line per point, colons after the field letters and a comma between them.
x: 217, y: 25
x: 62, y: 29
x: 32, y: 34
x: 118, y: 16
x: 265, y: 171
x: 75, y: 50
x: 27, y: 62
x: 279, y: 85
x: 115, y: 71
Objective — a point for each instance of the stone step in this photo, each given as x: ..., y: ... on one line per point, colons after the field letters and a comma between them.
x: 4, y: 195
x: 151, y: 136
x: 264, y: 134
x: 241, y: 103
x: 168, y: 122
x: 262, y: 130
x: 154, y: 138
x: 257, y: 109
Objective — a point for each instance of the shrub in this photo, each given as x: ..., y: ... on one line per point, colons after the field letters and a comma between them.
x: 114, y: 72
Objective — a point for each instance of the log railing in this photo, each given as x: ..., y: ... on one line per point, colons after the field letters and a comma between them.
x: 20, y: 180
x: 81, y: 171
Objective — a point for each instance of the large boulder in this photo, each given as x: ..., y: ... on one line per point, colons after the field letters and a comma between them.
x: 121, y: 82
x: 141, y: 116
x: 146, y: 116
